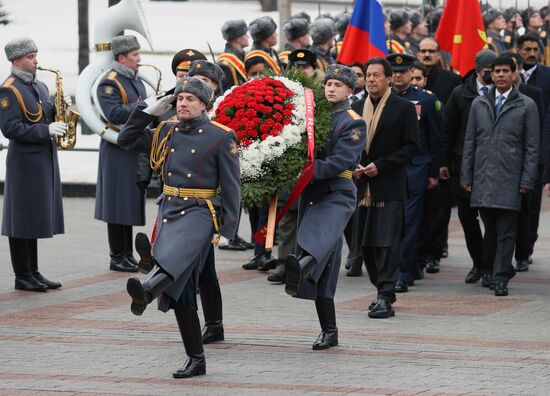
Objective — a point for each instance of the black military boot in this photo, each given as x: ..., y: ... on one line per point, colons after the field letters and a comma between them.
x: 211, y: 300
x: 24, y: 280
x: 143, y: 294
x: 297, y: 269
x: 32, y: 255
x: 128, y: 245
x: 190, y: 330
x: 143, y: 248
x: 115, y: 234
x: 327, y: 318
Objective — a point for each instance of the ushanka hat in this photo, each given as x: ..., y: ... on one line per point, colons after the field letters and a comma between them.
x: 341, y: 73
x: 322, y: 30
x: 262, y: 28
x: 124, y: 44
x: 19, y: 47
x: 295, y: 28
x: 206, y: 69
x: 234, y: 29
x: 195, y: 87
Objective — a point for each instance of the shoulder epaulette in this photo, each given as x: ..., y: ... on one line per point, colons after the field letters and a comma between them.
x: 112, y: 75
x: 8, y: 82
x: 225, y: 128
x: 354, y: 115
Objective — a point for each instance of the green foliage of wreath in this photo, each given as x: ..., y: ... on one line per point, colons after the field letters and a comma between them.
x: 281, y: 174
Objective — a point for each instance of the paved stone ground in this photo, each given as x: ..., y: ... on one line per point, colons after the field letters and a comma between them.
x: 447, y: 338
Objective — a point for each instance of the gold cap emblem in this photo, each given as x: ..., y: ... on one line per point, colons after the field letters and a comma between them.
x: 198, y: 66
x: 336, y: 70
x: 398, y: 60
x: 300, y: 55
x: 185, y: 82
x: 190, y: 53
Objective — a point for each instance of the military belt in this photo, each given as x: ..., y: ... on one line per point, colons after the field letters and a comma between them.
x: 202, y: 193
x: 347, y: 174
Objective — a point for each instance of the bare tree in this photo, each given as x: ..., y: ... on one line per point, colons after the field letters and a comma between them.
x: 268, y: 5
x: 4, y: 20
x: 83, y: 35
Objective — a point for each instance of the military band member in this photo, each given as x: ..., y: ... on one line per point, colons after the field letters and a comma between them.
x: 323, y: 33
x: 119, y: 201
x: 297, y: 34
x: 235, y: 34
x: 264, y: 35
x: 197, y: 157
x: 33, y: 206
x: 330, y: 198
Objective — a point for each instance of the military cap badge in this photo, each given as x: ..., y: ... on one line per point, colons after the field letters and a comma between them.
x: 398, y: 60
x: 190, y: 53
x: 300, y: 55
x: 336, y: 70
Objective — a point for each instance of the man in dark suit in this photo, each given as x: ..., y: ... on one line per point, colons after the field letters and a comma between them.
x: 391, y: 143
x: 538, y: 75
x: 529, y: 201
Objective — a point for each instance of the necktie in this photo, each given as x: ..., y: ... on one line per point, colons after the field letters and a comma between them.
x: 485, y: 90
x: 500, y: 103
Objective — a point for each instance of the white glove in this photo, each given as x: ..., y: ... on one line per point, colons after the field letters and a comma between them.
x: 57, y: 129
x: 159, y: 107
x: 150, y: 100
x: 68, y: 100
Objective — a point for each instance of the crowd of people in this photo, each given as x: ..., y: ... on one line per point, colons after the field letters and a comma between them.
x: 409, y: 140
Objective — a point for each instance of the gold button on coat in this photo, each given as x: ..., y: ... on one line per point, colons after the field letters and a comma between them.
x: 169, y: 173
x: 165, y: 221
x: 193, y: 151
x: 189, y: 175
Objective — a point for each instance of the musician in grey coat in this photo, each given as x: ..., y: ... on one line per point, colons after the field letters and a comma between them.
x: 33, y: 206
x: 197, y: 156
x: 119, y: 201
x: 326, y: 206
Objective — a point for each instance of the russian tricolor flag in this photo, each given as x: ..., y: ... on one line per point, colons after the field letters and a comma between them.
x: 365, y: 37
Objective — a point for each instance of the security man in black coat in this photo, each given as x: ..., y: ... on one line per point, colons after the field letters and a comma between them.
x: 326, y: 206
x: 197, y: 157
x: 119, y: 201
x: 33, y: 206
x: 423, y: 170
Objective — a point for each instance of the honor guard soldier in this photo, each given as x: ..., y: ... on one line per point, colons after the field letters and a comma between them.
x: 297, y: 34
x: 119, y: 201
x: 235, y: 34
x: 329, y: 199
x: 423, y: 170
x: 323, y: 32
x: 494, y: 23
x: 210, y: 73
x: 513, y: 23
x: 33, y: 206
x: 181, y: 62
x: 199, y: 162
x: 264, y: 36
x: 400, y: 25
x: 341, y: 22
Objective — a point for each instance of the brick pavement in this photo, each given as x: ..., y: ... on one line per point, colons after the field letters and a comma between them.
x: 447, y: 338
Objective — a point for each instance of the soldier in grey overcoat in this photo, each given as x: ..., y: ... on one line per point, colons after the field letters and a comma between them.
x: 119, y: 201
x: 33, y: 206
x: 329, y: 199
x: 197, y: 157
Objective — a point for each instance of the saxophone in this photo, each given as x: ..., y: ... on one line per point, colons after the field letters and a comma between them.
x: 68, y: 141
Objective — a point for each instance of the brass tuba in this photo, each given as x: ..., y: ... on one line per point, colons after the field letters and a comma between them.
x: 63, y: 114
x: 128, y: 14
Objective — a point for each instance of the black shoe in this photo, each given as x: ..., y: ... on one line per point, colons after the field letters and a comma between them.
x: 246, y: 244
x: 444, y: 252
x: 348, y: 263
x: 522, y: 265
x: 277, y: 277
x: 192, y: 367
x: 328, y: 338
x: 212, y: 332
x: 266, y: 262
x: 143, y: 248
x: 486, y: 280
x: 355, y: 270
x: 143, y: 294
x: 253, y: 263
x: 28, y: 282
x: 473, y: 276
x: 373, y: 303
x: 501, y: 288
x: 432, y: 266
x: 401, y: 287
x: 419, y: 274
x: 119, y: 263
x: 381, y: 310
x: 297, y: 270
x: 233, y: 245
x: 51, y: 284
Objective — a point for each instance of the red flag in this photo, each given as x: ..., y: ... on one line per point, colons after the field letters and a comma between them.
x: 461, y: 33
